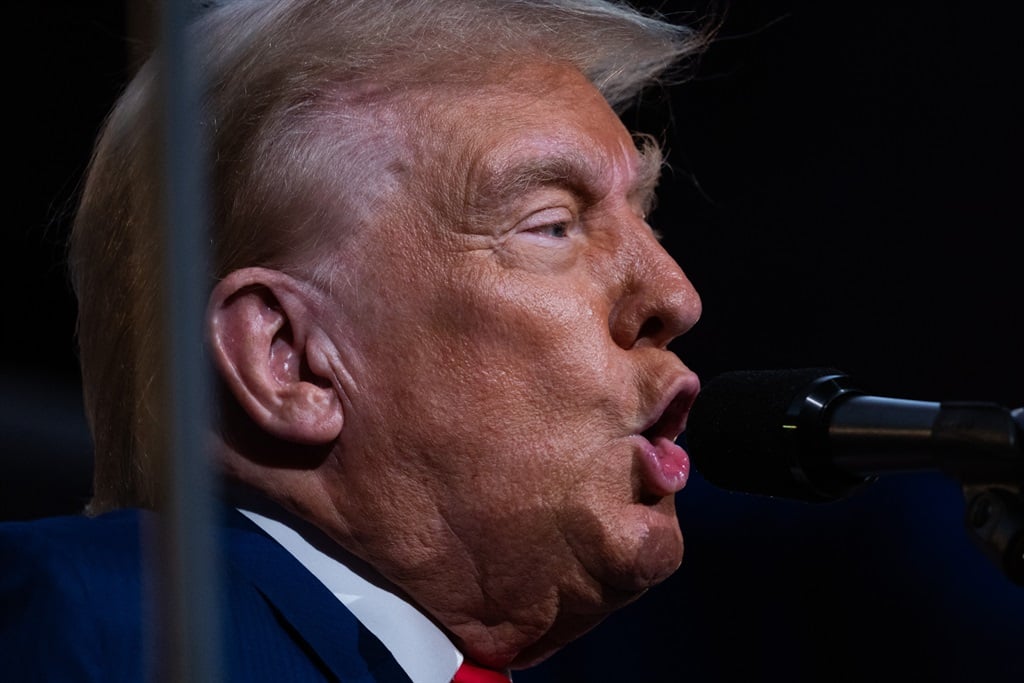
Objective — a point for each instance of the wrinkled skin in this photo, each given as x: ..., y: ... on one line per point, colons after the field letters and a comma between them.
x: 493, y: 349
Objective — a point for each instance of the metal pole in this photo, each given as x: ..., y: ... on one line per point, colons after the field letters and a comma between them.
x: 190, y: 557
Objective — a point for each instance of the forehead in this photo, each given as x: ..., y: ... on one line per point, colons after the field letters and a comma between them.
x: 538, y: 124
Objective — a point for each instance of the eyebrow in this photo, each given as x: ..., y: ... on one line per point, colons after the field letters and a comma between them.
x: 576, y: 173
x: 648, y: 174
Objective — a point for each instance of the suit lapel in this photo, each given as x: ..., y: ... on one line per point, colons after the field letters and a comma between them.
x: 344, y: 645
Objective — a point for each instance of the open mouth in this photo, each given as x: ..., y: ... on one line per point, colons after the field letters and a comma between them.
x: 672, y: 420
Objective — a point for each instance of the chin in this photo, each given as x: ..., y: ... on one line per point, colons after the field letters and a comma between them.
x: 636, y: 551
x: 651, y: 559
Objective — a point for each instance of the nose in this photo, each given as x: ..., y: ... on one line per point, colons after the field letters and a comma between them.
x: 657, y: 302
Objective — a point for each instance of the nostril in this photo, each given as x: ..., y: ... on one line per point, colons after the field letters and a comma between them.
x: 651, y: 328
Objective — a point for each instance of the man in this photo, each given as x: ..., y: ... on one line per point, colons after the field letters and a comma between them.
x: 439, y: 322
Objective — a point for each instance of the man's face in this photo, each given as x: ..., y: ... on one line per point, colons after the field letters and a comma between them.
x: 504, y: 327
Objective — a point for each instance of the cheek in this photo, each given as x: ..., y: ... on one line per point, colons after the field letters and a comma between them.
x: 530, y: 381
x: 545, y: 352
x: 515, y: 371
x: 548, y: 324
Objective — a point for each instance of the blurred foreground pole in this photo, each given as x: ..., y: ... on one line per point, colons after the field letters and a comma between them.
x: 188, y: 646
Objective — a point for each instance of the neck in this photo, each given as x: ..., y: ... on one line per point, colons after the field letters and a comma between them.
x: 514, y: 619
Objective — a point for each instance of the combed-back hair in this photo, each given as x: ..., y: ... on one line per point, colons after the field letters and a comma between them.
x: 272, y: 72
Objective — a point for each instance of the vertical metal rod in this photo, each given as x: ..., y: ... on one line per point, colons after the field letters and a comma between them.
x: 190, y: 650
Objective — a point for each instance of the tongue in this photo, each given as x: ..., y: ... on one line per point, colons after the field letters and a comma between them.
x: 666, y: 467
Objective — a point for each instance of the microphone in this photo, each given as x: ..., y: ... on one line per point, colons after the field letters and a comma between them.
x: 811, y: 434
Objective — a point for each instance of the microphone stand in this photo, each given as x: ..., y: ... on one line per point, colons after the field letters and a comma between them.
x: 994, y: 514
x: 980, y: 445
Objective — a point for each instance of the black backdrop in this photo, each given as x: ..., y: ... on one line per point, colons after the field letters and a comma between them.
x: 845, y: 191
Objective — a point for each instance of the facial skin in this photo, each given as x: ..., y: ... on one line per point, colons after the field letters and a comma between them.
x: 497, y: 344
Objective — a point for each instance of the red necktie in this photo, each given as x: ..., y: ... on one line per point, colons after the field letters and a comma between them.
x: 471, y: 673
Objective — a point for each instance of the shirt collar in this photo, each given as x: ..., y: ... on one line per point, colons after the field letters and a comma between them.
x: 417, y: 644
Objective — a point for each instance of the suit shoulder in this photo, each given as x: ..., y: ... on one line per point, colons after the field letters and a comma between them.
x: 71, y: 588
x: 72, y: 560
x: 74, y: 541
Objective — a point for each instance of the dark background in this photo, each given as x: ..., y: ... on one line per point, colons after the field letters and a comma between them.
x: 846, y: 191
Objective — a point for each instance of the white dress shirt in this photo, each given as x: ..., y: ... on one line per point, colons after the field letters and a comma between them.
x: 420, y: 647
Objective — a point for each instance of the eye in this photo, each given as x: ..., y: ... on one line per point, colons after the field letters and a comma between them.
x: 559, y: 230
x: 555, y: 223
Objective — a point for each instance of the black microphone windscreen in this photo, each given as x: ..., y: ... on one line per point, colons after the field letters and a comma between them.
x: 735, y: 435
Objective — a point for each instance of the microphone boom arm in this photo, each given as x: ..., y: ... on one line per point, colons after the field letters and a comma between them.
x: 995, y: 518
x: 981, y: 445
x: 810, y: 434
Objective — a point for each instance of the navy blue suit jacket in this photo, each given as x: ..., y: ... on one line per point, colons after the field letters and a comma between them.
x: 73, y: 607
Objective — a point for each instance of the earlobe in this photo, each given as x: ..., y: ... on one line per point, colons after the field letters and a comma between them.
x: 265, y: 343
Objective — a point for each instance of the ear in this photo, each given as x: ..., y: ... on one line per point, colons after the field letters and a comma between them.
x: 273, y: 356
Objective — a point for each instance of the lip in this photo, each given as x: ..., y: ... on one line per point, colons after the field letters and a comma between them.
x: 664, y: 465
x: 668, y: 416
